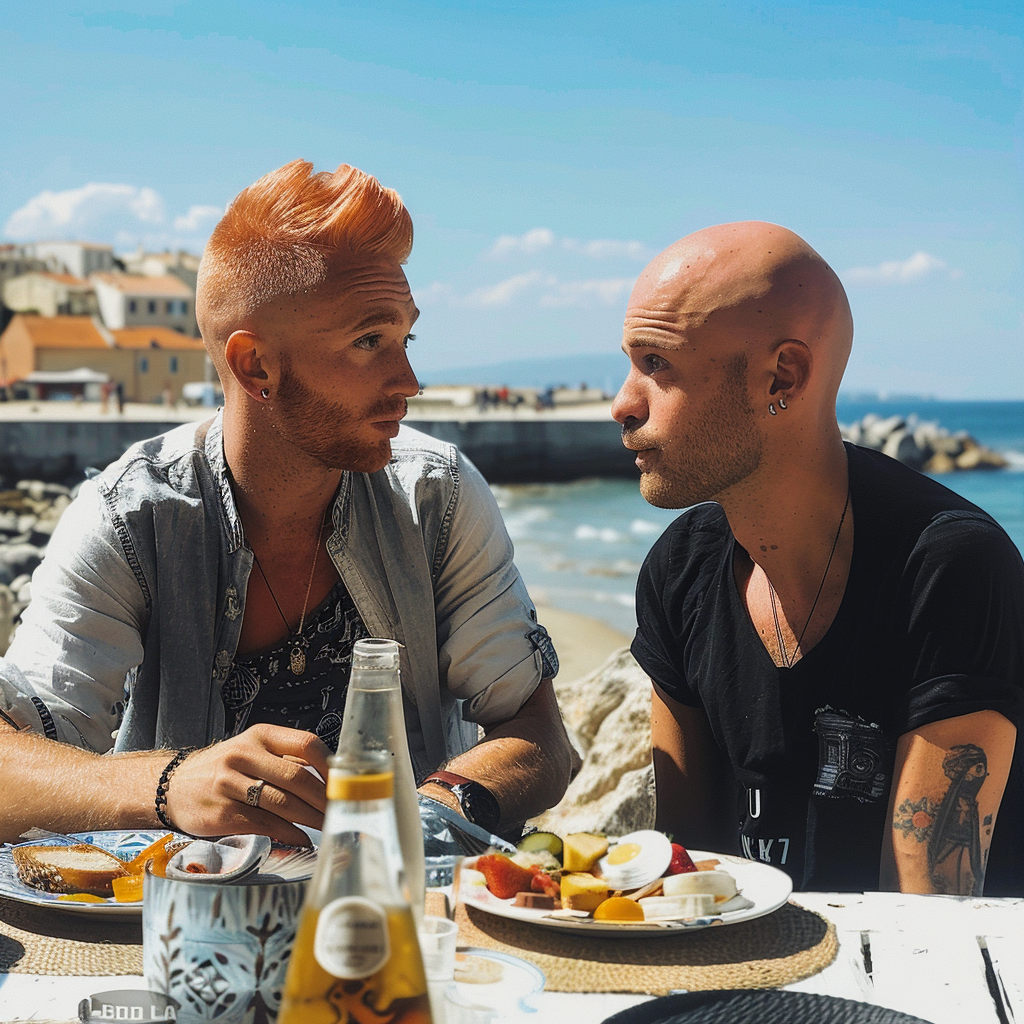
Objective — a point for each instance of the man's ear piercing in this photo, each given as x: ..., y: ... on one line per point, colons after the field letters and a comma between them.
x: 265, y: 393
x: 782, y: 402
x: 771, y: 408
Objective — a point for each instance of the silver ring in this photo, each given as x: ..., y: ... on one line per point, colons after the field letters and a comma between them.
x: 252, y: 794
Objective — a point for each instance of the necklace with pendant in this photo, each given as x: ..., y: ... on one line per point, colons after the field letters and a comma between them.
x: 297, y: 657
x: 787, y: 661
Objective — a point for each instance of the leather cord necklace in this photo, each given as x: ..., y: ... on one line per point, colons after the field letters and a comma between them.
x: 297, y: 657
x: 787, y: 661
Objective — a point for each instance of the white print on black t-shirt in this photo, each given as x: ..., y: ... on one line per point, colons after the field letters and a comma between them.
x: 754, y: 803
x: 764, y: 849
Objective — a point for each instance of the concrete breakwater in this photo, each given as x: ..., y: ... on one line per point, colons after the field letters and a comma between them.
x: 57, y: 441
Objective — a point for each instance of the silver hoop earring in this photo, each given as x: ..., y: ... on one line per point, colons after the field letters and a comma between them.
x: 265, y: 393
x: 782, y: 402
x: 771, y: 408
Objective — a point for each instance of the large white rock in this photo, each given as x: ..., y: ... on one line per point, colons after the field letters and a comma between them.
x: 609, y: 713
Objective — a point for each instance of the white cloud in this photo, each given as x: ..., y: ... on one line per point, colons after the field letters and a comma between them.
x: 199, y: 219
x: 502, y: 293
x: 533, y: 241
x: 541, y: 239
x: 125, y: 216
x: 584, y: 293
x: 916, y: 268
x: 532, y: 288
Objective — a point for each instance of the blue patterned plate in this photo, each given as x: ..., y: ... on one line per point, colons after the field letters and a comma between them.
x: 122, y: 844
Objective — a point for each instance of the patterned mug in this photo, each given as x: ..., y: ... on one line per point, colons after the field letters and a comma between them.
x: 220, y: 951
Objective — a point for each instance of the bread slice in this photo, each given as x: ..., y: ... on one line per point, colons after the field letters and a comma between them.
x: 78, y: 868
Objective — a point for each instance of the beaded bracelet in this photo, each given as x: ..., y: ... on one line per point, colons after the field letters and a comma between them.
x: 165, y: 781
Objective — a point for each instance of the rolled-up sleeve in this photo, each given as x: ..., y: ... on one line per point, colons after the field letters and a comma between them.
x: 492, y: 654
x: 64, y: 674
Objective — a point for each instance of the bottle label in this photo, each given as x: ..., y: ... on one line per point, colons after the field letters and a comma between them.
x: 352, y: 938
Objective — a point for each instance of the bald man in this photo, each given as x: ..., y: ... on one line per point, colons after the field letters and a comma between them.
x: 195, y: 615
x: 836, y: 642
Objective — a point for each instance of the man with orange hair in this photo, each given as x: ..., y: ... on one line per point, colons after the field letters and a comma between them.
x: 197, y: 608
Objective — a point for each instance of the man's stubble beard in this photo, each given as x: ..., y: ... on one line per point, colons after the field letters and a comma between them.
x: 328, y: 431
x: 721, y: 449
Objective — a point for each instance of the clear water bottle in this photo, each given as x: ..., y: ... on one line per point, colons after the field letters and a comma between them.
x: 356, y: 956
x: 375, y: 693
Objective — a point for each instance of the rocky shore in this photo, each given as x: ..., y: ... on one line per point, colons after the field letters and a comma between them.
x: 923, y: 446
x: 28, y: 516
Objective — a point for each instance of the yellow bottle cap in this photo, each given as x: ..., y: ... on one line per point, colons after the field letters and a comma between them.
x: 344, y: 786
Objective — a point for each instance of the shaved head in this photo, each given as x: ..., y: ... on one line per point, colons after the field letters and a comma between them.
x: 755, y: 284
x: 724, y: 329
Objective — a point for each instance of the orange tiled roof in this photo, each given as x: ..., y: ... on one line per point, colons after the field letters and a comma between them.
x: 143, y: 337
x: 69, y: 279
x: 62, y: 331
x: 137, y: 284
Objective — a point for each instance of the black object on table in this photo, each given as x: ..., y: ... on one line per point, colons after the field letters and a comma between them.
x: 758, y: 1006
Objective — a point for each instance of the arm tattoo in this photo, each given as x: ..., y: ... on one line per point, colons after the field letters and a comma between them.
x: 950, y: 828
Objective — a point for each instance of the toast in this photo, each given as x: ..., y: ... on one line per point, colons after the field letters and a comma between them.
x: 68, y: 869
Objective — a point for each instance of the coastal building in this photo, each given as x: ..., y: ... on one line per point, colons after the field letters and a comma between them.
x: 50, y: 294
x: 78, y: 258
x: 16, y: 260
x: 150, y: 361
x: 134, y: 300
x: 181, y: 264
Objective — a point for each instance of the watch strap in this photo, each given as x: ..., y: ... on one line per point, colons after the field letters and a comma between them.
x: 447, y: 779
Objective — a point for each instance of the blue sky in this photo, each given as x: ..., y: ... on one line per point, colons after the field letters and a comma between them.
x: 547, y: 150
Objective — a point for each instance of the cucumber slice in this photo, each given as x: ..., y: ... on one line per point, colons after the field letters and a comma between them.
x: 541, y: 841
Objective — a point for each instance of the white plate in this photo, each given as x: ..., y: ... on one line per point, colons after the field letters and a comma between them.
x: 763, y: 887
x: 122, y: 844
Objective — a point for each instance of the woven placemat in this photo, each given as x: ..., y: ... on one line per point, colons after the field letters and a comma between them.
x: 780, y: 948
x: 37, y: 940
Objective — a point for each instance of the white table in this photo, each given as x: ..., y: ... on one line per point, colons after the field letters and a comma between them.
x: 925, y: 955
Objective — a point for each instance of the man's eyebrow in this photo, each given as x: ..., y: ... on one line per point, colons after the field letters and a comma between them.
x: 648, y: 343
x: 377, y: 317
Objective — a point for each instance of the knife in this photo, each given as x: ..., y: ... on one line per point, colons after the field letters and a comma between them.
x: 458, y: 824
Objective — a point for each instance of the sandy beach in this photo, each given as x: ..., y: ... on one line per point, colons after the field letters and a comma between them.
x: 583, y: 643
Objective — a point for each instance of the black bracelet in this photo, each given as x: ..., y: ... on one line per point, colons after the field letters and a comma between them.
x: 165, y: 781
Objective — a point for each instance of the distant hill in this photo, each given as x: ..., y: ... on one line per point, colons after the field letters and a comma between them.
x: 605, y: 370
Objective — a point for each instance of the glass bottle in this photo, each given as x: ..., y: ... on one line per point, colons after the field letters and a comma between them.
x: 356, y: 956
x: 375, y: 691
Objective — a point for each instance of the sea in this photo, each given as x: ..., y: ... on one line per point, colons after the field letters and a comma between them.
x: 579, y: 546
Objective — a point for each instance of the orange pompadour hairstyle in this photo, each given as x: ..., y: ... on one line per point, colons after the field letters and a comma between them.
x: 277, y: 235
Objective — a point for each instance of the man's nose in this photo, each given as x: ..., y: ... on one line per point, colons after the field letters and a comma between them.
x: 404, y: 381
x: 629, y: 405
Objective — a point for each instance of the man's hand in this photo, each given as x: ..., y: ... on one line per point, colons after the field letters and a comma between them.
x: 947, y: 786
x: 207, y: 793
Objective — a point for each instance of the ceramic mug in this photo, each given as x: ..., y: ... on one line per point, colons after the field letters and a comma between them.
x: 220, y: 951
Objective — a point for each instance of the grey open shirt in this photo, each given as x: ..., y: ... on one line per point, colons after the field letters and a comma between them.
x: 137, y: 608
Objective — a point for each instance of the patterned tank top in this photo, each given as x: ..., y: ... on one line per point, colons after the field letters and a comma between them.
x: 300, y: 681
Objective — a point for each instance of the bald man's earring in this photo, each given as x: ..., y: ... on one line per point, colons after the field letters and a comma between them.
x: 771, y: 408
x: 265, y: 393
x: 782, y: 402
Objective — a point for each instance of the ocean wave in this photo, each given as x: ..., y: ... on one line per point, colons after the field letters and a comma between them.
x: 604, y: 533
x: 644, y: 527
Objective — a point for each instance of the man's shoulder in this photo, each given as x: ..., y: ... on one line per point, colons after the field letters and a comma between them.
x: 906, y: 509
x: 156, y: 457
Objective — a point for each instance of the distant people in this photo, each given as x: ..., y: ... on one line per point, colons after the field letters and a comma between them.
x: 196, y: 611
x: 836, y: 642
x: 501, y: 395
x: 546, y: 399
x: 119, y: 391
x: 106, y: 390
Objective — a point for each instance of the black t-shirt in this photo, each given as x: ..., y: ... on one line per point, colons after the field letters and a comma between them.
x: 931, y: 626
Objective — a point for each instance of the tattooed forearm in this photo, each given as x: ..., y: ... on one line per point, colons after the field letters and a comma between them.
x: 950, y: 828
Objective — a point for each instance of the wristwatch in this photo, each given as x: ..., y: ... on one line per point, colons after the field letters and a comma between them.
x: 477, y: 802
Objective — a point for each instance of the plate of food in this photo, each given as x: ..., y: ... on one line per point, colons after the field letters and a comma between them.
x: 637, y: 884
x: 97, y: 873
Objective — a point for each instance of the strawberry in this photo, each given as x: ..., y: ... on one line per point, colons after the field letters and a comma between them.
x: 680, y: 863
x: 503, y: 876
